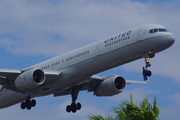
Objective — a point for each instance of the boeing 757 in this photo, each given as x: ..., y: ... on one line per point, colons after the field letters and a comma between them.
x: 75, y: 71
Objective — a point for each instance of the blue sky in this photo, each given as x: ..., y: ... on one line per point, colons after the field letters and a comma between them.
x: 33, y: 31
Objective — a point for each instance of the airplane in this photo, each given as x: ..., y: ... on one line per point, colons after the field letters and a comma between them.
x: 75, y: 71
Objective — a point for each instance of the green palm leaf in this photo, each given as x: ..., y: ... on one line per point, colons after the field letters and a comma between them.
x: 127, y: 110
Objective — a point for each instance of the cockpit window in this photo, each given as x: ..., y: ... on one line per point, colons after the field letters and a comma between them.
x: 151, y: 31
x: 162, y: 30
x: 158, y: 30
x: 155, y: 30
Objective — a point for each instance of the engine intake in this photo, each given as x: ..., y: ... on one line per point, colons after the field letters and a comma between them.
x: 110, y: 86
x: 30, y: 79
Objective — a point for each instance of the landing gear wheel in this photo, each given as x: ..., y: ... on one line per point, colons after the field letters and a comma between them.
x: 23, y: 105
x: 78, y: 106
x: 33, y: 103
x: 28, y: 104
x: 68, y: 108
x: 147, y: 58
x: 28, y: 107
x: 147, y: 73
x: 73, y: 107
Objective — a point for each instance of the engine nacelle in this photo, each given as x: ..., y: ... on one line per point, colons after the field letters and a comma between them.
x: 110, y: 86
x: 30, y: 79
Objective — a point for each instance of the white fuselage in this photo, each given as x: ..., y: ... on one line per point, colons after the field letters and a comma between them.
x: 77, y: 66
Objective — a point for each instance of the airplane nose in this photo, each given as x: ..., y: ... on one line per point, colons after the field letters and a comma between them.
x: 171, y: 39
x: 163, y: 42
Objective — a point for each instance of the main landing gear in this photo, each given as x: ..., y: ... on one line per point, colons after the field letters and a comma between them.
x: 147, y: 58
x: 28, y: 103
x: 74, y: 107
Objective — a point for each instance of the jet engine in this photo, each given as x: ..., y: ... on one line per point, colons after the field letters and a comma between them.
x: 110, y: 86
x: 30, y: 79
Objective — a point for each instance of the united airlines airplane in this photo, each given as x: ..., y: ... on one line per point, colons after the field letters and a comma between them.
x: 75, y: 71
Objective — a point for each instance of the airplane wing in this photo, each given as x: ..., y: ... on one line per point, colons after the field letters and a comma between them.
x: 91, y: 84
x: 7, y: 76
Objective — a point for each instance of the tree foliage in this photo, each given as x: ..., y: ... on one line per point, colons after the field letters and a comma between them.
x: 99, y: 117
x: 127, y: 110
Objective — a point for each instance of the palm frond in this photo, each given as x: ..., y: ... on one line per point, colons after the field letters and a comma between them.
x: 127, y: 110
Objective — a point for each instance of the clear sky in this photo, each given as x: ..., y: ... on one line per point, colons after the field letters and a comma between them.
x: 32, y: 31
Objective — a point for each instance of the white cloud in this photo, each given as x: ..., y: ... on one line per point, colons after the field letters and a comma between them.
x: 36, y: 23
x: 138, y: 94
x: 171, y: 110
x: 53, y: 108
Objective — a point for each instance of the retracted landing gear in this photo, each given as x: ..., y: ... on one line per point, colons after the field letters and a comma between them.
x: 147, y: 58
x: 74, y: 107
x: 28, y: 103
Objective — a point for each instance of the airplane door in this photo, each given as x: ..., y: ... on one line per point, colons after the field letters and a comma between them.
x: 97, y: 50
x: 139, y: 34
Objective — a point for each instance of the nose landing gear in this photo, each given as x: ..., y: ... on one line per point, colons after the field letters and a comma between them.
x: 147, y: 58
